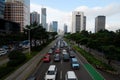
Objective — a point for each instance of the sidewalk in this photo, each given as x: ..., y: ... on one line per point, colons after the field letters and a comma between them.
x: 24, y: 71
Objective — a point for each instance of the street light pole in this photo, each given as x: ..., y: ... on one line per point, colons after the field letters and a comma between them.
x: 29, y: 41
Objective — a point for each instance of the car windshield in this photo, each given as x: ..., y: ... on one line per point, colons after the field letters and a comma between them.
x: 50, y: 72
x: 75, y: 62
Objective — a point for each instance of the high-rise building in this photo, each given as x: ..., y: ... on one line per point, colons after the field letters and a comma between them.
x: 84, y: 23
x: 2, y: 8
x: 34, y: 18
x: 43, y: 18
x: 18, y: 11
x: 55, y: 26
x: 78, y: 21
x: 100, y: 23
x: 9, y: 27
x: 50, y: 28
x: 65, y: 28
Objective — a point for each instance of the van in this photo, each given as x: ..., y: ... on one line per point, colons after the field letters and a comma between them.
x: 51, y: 74
x: 70, y: 75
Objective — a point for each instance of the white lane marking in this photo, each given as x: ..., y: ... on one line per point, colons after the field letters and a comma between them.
x: 51, y: 61
x: 61, y: 75
x: 61, y: 62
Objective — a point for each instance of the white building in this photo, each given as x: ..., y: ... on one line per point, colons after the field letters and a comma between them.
x: 78, y: 21
x: 43, y: 18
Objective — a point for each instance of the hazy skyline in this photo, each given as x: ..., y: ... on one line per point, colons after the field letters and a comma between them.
x: 61, y: 11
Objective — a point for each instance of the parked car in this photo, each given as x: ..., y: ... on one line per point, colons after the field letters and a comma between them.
x: 70, y: 75
x: 51, y: 74
x: 57, y: 57
x: 25, y: 44
x: 65, y: 57
x: 5, y: 47
x: 46, y: 58
x: 3, y: 51
x: 74, y: 63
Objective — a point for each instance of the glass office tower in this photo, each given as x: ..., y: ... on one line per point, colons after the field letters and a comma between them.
x: 2, y: 8
x: 18, y: 11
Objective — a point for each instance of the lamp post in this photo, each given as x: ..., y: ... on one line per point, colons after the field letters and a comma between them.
x: 29, y: 41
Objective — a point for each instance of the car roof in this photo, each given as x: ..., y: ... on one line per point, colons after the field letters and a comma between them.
x: 71, y: 74
x: 74, y: 59
x: 51, y: 68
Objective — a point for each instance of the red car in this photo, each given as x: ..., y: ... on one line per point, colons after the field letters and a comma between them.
x: 57, y: 51
x: 46, y: 58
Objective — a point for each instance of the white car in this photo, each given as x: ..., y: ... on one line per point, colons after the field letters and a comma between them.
x: 51, y: 73
x: 70, y: 76
x: 3, y: 51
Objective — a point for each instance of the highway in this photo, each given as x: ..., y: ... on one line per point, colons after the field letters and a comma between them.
x: 62, y: 68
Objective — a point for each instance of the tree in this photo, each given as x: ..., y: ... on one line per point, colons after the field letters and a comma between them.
x: 110, y: 52
x: 16, y: 58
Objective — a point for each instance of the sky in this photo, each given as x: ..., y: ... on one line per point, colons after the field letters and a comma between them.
x: 61, y: 11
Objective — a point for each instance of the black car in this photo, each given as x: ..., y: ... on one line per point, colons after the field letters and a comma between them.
x: 32, y: 78
x: 57, y: 57
x: 66, y: 57
x: 71, y: 54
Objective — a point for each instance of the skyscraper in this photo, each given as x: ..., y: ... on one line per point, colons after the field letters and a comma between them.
x: 84, y: 23
x: 55, y: 26
x: 100, y: 23
x: 43, y: 18
x: 78, y: 21
x: 34, y: 18
x: 65, y: 28
x: 18, y: 11
x: 2, y: 8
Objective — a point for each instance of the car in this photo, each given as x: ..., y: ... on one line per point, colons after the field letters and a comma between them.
x: 57, y: 57
x: 50, y: 51
x: 46, y: 58
x: 74, y: 63
x: 5, y: 47
x: 3, y: 51
x: 65, y: 57
x: 31, y: 78
x: 51, y: 74
x: 57, y: 50
x: 71, y: 54
x: 64, y: 51
x: 70, y: 75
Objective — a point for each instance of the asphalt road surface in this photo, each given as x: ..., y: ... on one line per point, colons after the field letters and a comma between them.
x: 62, y: 68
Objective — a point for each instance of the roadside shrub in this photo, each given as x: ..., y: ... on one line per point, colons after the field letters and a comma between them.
x: 92, y: 60
x: 4, y: 71
x: 16, y: 58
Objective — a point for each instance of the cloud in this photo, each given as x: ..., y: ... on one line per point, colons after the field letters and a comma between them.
x: 111, y: 12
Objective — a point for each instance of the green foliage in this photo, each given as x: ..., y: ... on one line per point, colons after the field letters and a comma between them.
x: 16, y: 58
x: 5, y: 70
x: 107, y: 42
x: 92, y: 60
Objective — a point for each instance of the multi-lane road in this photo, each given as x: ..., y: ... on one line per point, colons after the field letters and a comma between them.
x: 63, y: 67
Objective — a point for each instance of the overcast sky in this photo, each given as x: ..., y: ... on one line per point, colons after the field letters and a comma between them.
x: 61, y: 11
